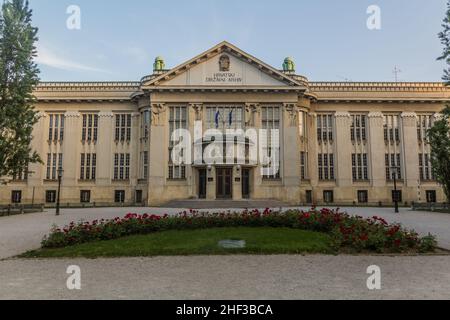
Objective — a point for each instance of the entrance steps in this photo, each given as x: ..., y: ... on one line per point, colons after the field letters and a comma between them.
x: 225, y: 204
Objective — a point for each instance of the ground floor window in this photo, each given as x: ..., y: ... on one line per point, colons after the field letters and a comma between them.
x: 177, y: 172
x: 138, y: 196
x: 363, y: 196
x: 397, y: 196
x: 16, y: 196
x: 431, y: 196
x: 328, y: 196
x: 50, y: 196
x: 85, y: 196
x: 119, y: 196
x: 309, y: 197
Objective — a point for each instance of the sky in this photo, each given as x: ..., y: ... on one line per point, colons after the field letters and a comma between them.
x: 329, y: 40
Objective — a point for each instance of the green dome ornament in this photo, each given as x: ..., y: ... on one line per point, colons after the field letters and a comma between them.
x: 159, y: 64
x: 289, y: 65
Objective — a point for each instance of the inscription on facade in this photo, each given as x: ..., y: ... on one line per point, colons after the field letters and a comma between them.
x: 224, y: 77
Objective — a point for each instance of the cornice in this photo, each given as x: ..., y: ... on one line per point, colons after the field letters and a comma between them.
x: 379, y: 86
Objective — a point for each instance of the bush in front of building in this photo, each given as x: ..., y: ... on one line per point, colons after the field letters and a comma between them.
x: 348, y: 233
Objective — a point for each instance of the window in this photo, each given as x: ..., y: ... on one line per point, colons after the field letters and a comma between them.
x: 397, y: 196
x: 393, y: 166
x: 145, y: 124
x: 309, y: 197
x: 144, y: 159
x: 119, y: 196
x: 424, y: 123
x: 325, y: 128
x: 89, y: 131
x: 391, y: 129
x: 360, y: 168
x: 304, y: 165
x: 358, y: 130
x: 50, y: 196
x: 363, y: 196
x: 225, y: 117
x: 326, y: 166
x: 138, y: 196
x: 121, y: 166
x: 22, y: 175
x: 16, y: 196
x: 85, y: 196
x: 431, y: 196
x: 177, y: 120
x: 54, y: 162
x: 88, y: 166
x: 56, y: 128
x: 123, y: 128
x: 328, y: 196
x: 271, y: 120
x: 425, y: 168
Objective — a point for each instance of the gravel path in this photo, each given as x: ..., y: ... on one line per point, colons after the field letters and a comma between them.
x: 25, y: 232
x: 229, y: 277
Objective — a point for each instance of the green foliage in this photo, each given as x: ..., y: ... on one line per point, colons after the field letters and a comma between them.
x: 345, y: 231
x: 439, y: 134
x: 18, y: 77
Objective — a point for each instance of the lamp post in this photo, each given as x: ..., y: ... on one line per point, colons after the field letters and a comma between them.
x: 60, y: 174
x: 395, y: 189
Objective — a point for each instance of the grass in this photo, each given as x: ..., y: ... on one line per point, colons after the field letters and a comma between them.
x: 197, y: 242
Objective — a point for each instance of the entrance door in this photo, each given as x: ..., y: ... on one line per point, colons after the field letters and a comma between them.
x: 202, y: 184
x: 224, y: 183
x: 246, y: 183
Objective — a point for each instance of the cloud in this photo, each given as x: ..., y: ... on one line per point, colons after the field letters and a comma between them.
x: 48, y: 58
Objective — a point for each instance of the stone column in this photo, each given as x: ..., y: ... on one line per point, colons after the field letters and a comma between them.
x: 211, y: 183
x: 343, y: 158
x: 40, y: 136
x: 290, y: 153
x: 134, y: 149
x: 71, y: 149
x: 237, y: 182
x: 104, y: 148
x: 377, y: 154
x: 195, y: 113
x: 256, y: 177
x: 158, y: 155
x: 312, y: 153
x: 410, y: 155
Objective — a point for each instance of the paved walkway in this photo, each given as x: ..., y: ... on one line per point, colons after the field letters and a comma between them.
x: 25, y: 232
x: 229, y: 277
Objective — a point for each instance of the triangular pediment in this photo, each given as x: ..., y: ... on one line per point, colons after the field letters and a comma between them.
x: 224, y: 66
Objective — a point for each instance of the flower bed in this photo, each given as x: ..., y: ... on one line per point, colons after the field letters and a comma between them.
x: 350, y: 232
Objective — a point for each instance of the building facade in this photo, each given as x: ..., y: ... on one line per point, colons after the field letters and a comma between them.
x: 340, y: 143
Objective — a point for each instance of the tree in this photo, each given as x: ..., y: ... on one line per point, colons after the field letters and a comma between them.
x: 18, y: 77
x: 439, y: 134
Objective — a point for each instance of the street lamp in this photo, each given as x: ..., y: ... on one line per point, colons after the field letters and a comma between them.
x: 60, y: 175
x: 395, y: 189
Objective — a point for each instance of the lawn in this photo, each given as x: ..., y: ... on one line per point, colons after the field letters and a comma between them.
x: 263, y: 240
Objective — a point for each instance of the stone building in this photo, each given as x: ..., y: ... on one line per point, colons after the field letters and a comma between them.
x: 340, y: 142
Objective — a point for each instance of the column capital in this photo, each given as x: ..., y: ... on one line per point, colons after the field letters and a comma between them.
x: 41, y: 114
x: 375, y: 114
x: 408, y: 115
x: 72, y: 114
x: 342, y: 114
x: 292, y: 110
x: 438, y: 116
x: 105, y: 114
x: 158, y: 110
